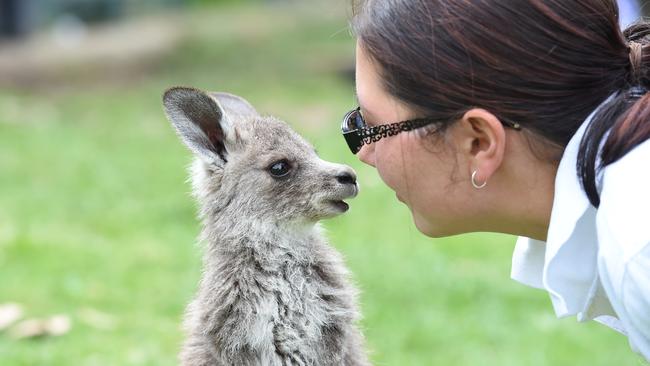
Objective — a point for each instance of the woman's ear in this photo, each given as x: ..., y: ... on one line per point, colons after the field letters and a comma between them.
x: 481, y: 139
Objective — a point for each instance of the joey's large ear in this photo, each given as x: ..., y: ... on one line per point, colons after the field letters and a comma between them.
x: 234, y: 106
x: 200, y: 122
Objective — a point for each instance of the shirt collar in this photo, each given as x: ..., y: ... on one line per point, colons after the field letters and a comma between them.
x: 565, y: 265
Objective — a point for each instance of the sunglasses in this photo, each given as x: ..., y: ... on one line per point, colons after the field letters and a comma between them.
x: 357, y: 133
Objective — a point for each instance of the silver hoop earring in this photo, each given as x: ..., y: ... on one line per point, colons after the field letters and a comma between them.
x: 474, y: 181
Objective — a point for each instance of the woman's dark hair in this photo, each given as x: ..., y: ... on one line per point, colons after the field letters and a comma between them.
x: 545, y: 64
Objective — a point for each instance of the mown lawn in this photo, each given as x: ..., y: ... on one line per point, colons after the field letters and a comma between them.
x: 95, y: 213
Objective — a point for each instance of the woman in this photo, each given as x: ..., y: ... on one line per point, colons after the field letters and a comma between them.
x: 528, y: 117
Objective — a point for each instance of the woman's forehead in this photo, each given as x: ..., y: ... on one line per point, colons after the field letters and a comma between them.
x: 374, y: 101
x: 365, y: 80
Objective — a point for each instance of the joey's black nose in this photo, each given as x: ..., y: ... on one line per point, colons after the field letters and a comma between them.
x: 347, y: 178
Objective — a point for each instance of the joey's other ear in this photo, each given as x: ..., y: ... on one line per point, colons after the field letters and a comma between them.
x: 234, y: 106
x: 200, y: 122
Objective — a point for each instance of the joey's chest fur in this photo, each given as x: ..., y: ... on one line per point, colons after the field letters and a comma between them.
x: 277, y: 299
x: 288, y: 287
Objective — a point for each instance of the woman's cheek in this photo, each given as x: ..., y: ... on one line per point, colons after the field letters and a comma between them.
x: 388, y: 172
x: 391, y: 161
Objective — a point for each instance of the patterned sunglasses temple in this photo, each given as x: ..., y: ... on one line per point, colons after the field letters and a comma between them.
x: 359, y: 136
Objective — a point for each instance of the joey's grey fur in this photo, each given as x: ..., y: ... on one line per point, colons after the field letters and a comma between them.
x: 273, y: 292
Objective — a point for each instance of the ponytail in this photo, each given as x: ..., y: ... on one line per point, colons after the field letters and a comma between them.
x: 625, y: 119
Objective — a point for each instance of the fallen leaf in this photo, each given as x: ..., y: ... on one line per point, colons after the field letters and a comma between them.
x: 56, y: 325
x: 29, y: 328
x: 9, y: 314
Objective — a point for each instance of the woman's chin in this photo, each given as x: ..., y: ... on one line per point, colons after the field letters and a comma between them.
x: 430, y: 228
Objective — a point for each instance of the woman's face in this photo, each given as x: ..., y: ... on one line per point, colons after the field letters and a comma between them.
x: 419, y: 170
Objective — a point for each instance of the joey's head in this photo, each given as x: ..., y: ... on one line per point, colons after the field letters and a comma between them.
x: 255, y: 167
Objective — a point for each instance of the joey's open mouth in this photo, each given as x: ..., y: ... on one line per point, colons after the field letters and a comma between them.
x: 339, y: 204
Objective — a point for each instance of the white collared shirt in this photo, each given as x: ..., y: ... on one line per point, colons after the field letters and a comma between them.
x: 595, y: 263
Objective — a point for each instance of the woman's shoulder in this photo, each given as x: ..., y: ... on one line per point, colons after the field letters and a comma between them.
x: 624, y: 211
x: 636, y: 162
x: 623, y: 229
x: 627, y: 179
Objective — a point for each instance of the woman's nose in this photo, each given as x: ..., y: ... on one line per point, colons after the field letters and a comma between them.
x: 367, y: 154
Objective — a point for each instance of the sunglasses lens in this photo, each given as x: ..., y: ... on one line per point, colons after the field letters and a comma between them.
x: 353, y: 121
x: 353, y: 140
x: 358, y: 120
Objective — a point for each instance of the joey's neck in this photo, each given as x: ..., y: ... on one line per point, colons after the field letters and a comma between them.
x: 232, y: 232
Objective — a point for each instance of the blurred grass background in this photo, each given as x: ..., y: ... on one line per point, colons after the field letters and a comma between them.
x: 95, y: 211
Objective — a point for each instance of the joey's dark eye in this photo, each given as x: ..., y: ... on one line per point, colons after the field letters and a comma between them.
x: 279, y: 168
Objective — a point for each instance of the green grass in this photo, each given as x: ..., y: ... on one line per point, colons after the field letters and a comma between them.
x: 95, y: 213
